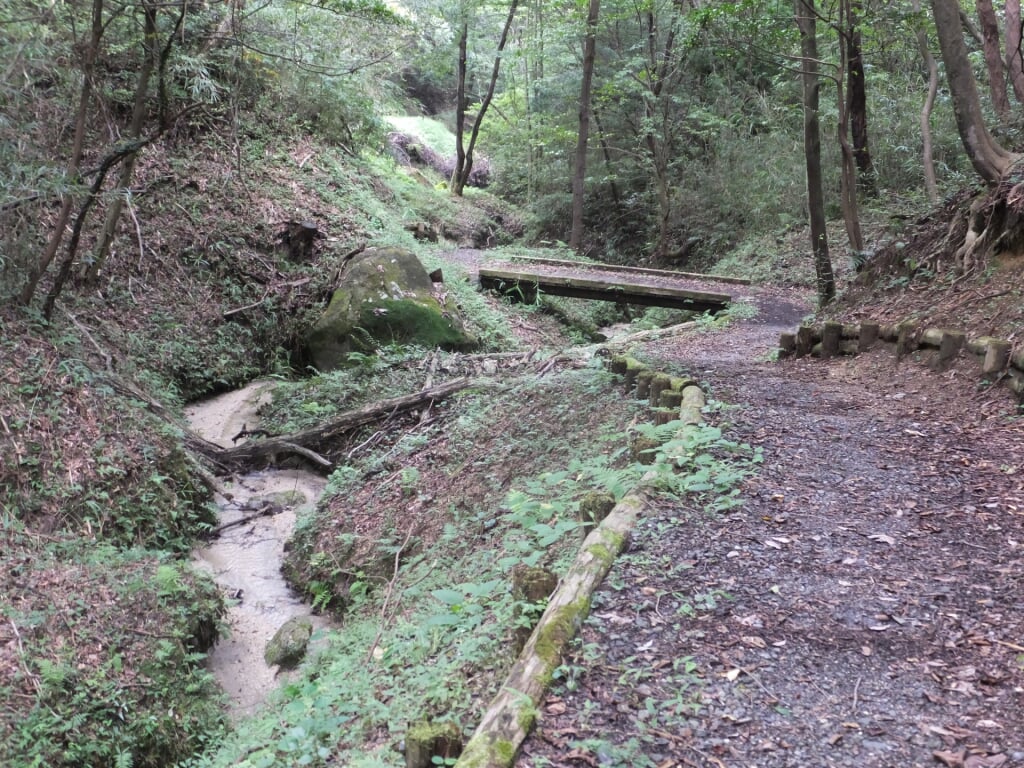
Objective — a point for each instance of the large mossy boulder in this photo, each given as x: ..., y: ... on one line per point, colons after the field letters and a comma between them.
x: 385, y: 297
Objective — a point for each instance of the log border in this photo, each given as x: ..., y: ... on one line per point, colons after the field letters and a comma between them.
x: 514, y: 710
x: 995, y: 357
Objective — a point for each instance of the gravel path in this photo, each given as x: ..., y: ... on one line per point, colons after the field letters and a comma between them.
x: 862, y: 606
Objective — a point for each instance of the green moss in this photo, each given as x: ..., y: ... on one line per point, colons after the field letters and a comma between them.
x: 602, y: 553
x: 556, y: 632
x: 504, y: 751
x: 527, y: 718
x: 421, y: 322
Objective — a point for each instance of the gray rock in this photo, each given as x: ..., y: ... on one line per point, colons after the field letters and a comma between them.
x: 288, y: 645
x: 386, y: 296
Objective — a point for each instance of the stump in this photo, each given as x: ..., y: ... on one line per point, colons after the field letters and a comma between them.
x: 787, y: 345
x: 906, y: 339
x: 531, y: 587
x: 643, y: 384
x: 868, y: 336
x: 671, y: 399
x: 804, y: 340
x: 659, y: 382
x: 594, y: 507
x: 950, y: 345
x: 997, y: 356
x: 831, y: 335
x: 425, y: 741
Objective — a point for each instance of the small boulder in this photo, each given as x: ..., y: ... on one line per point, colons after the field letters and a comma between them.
x: 288, y: 645
x: 386, y: 297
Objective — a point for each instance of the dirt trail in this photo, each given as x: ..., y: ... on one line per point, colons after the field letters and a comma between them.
x: 861, y: 607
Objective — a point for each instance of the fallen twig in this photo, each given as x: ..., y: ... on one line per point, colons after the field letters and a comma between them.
x: 265, y: 511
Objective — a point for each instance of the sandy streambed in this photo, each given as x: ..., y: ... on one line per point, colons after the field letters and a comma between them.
x: 246, y: 559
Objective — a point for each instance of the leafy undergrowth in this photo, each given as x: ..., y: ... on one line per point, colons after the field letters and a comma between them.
x: 101, y: 655
x: 414, y: 543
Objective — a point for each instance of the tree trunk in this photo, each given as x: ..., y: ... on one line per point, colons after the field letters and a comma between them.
x: 607, y: 155
x: 580, y: 167
x: 464, y: 157
x: 857, y: 101
x: 989, y: 159
x: 931, y: 186
x: 150, y: 50
x: 460, y: 108
x: 848, y: 173
x: 805, y: 20
x: 74, y: 162
x: 993, y: 59
x: 1014, y: 56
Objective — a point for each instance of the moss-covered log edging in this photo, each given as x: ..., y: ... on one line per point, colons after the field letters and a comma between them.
x: 513, y: 712
x: 996, y: 358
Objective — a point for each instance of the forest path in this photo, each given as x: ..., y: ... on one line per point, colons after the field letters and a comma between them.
x: 862, y: 606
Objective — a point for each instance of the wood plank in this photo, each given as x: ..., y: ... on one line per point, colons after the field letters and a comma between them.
x: 526, y: 284
x: 668, y: 273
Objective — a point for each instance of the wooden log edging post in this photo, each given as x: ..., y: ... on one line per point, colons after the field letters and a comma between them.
x: 514, y: 710
x: 996, y: 357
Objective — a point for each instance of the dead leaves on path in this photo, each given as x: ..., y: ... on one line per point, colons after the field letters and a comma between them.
x: 961, y: 759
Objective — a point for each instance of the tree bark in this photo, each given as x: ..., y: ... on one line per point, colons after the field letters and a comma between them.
x: 848, y: 173
x: 1014, y: 56
x: 460, y: 107
x: 989, y: 159
x: 931, y: 186
x: 993, y: 59
x: 150, y: 10
x: 857, y: 101
x: 806, y: 22
x: 89, y: 57
x: 580, y: 166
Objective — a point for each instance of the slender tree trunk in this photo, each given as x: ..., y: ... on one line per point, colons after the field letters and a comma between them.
x: 464, y: 157
x: 579, y: 175
x: 931, y: 186
x: 993, y: 59
x: 806, y: 23
x: 607, y: 155
x: 150, y: 50
x: 460, y: 107
x: 989, y: 159
x: 1014, y: 56
x: 74, y: 162
x: 847, y: 169
x: 857, y: 101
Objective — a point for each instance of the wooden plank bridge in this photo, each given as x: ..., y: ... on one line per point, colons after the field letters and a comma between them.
x: 629, y: 285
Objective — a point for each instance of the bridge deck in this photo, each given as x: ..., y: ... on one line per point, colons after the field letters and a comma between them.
x: 653, y: 288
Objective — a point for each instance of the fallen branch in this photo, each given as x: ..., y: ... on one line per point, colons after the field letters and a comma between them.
x: 265, y: 511
x: 312, y: 443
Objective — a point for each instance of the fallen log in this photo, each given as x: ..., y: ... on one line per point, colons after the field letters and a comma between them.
x: 311, y: 443
x: 514, y: 709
